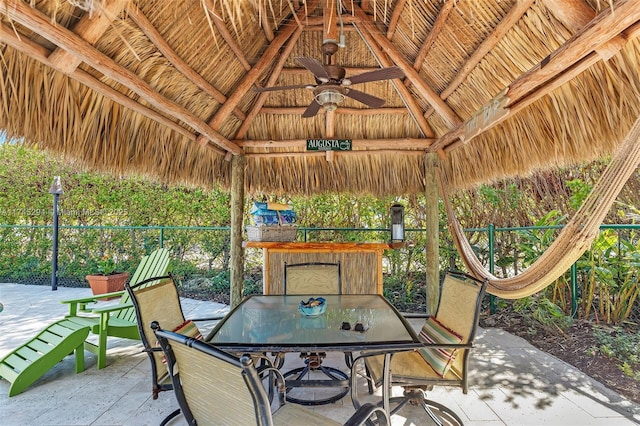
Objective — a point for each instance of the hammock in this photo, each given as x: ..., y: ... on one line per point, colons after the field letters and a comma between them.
x: 575, y: 238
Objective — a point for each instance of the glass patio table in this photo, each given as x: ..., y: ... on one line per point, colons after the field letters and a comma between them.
x: 272, y: 323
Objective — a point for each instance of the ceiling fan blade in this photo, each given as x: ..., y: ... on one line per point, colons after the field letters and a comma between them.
x: 272, y: 89
x: 365, y: 98
x: 375, y: 75
x: 312, y: 109
x: 315, y: 67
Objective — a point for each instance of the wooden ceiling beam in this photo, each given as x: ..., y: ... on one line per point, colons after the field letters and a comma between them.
x: 226, y: 35
x: 316, y: 23
x: 358, y: 144
x: 41, y: 24
x: 395, y: 16
x: 398, y: 59
x: 412, y: 105
x: 335, y: 153
x: 496, y: 36
x: 42, y: 54
x: 156, y: 38
x: 437, y: 28
x: 339, y: 111
x: 262, y: 96
x: 575, y: 14
x: 348, y: 70
x: 264, y: 22
x: 608, y: 25
x: 329, y: 22
x: 252, y: 76
x: 90, y: 27
x: 573, y: 57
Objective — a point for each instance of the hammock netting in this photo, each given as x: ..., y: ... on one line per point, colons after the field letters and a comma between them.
x: 574, y: 239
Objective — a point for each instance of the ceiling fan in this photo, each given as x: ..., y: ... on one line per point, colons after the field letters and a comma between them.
x: 332, y: 86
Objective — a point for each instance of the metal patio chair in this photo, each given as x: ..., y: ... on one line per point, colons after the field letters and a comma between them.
x: 314, y: 279
x: 157, y: 299
x: 215, y: 387
x: 444, y: 358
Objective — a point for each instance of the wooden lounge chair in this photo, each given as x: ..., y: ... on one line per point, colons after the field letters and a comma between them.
x: 28, y: 362
x: 157, y: 298
x: 443, y: 360
x: 214, y: 387
x: 117, y: 320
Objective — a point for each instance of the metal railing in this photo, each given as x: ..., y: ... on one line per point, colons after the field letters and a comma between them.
x: 200, y: 255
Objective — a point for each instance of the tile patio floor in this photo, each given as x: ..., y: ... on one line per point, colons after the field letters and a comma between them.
x: 511, y: 383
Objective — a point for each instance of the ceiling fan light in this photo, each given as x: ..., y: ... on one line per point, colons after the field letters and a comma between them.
x: 329, y: 99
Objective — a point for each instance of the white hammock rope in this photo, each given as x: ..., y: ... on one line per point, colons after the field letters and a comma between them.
x: 574, y: 239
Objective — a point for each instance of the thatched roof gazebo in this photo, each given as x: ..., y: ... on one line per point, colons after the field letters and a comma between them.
x: 479, y: 89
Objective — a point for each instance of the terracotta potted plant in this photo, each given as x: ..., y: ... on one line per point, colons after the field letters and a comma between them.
x: 107, y: 280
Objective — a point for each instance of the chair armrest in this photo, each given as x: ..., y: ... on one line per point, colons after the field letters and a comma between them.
x: 365, y: 412
x: 112, y: 308
x: 80, y: 305
x: 216, y: 318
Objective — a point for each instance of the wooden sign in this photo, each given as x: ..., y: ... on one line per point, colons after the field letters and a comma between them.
x: 328, y: 144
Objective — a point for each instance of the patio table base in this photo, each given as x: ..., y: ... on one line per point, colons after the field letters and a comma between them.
x: 300, y: 378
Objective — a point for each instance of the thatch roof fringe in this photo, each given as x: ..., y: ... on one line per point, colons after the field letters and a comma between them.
x: 145, y: 80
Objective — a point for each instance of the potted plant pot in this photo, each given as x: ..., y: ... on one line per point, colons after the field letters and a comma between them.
x: 101, y: 284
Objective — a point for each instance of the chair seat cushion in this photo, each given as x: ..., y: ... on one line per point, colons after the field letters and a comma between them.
x: 189, y: 329
x: 293, y: 414
x: 440, y: 359
x: 409, y: 365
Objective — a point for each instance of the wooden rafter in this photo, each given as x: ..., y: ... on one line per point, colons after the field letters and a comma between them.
x: 511, y: 19
x: 575, y: 14
x: 348, y: 70
x: 226, y: 35
x: 90, y: 27
x: 599, y: 31
x: 395, y: 16
x: 250, y: 78
x: 571, y: 58
x: 339, y: 111
x: 156, y: 38
x: 41, y: 54
x: 421, y: 86
x: 264, y: 22
x: 438, y: 25
x: 407, y: 97
x: 262, y: 97
x: 36, y: 21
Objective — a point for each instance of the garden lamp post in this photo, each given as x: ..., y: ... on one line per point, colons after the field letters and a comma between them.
x: 55, y: 190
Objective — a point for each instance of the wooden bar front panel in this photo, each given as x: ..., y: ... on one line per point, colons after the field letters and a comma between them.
x: 360, y: 263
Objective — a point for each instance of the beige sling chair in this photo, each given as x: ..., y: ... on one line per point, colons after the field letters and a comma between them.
x: 157, y: 299
x: 444, y: 358
x: 575, y: 238
x: 314, y: 279
x: 216, y: 388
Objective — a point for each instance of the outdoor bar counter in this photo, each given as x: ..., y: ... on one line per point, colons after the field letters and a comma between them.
x: 360, y: 263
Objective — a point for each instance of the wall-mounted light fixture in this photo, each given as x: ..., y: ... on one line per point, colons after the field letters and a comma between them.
x: 397, y: 223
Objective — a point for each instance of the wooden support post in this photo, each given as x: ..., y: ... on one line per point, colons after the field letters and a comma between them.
x: 237, y: 207
x: 433, y: 234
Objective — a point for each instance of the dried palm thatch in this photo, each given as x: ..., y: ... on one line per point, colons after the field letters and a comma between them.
x: 166, y: 89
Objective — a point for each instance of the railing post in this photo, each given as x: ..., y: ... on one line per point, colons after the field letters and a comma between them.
x: 162, y: 237
x: 574, y: 290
